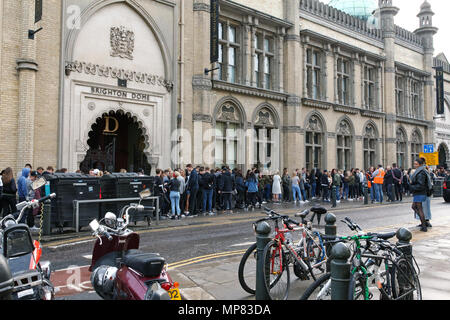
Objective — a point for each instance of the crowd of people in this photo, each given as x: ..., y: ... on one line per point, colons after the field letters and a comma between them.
x: 204, y: 191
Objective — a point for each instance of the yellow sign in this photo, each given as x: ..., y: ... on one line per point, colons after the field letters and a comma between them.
x: 431, y: 158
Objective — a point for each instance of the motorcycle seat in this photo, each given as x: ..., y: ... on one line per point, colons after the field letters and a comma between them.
x: 148, y: 264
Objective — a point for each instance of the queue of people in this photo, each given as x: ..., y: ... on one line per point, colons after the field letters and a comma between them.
x: 201, y: 190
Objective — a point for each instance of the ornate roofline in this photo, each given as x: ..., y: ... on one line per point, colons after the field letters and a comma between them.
x: 354, y: 26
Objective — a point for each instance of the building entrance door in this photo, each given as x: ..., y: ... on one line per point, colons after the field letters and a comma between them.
x: 116, y: 142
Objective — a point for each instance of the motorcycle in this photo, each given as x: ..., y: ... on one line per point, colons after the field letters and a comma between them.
x: 31, y: 277
x: 119, y: 270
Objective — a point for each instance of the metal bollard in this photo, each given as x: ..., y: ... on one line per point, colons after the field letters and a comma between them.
x: 333, y: 197
x: 404, y: 237
x: 330, y: 230
x: 366, y: 194
x: 340, y: 272
x: 263, y: 231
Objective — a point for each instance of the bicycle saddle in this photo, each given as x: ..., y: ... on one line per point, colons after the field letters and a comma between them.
x: 319, y: 210
x: 303, y: 214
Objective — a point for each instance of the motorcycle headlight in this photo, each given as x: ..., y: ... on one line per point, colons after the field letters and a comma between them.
x: 46, y: 267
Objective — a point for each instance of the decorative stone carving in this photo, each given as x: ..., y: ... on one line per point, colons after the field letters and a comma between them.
x: 115, y: 73
x: 415, y: 138
x: 265, y: 118
x: 122, y: 42
x: 202, y: 117
x: 370, y: 132
x: 314, y: 124
x: 91, y: 106
x: 228, y: 113
x: 344, y: 128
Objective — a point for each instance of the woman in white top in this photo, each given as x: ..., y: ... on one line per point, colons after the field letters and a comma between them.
x: 276, y: 187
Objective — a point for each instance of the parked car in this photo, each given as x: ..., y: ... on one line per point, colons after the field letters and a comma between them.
x: 447, y: 189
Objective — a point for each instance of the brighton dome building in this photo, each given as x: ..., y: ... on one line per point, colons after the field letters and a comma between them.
x: 118, y: 84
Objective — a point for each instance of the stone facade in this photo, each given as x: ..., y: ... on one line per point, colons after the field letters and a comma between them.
x: 322, y: 87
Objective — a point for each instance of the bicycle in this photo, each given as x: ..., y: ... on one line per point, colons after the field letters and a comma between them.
x: 247, y: 266
x: 307, y: 255
x: 398, y: 280
x: 247, y: 280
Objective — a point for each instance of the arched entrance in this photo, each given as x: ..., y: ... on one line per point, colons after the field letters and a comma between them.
x: 443, y: 156
x: 116, y: 141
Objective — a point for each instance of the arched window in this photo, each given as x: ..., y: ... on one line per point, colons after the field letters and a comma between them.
x: 401, y: 148
x: 370, y: 146
x: 228, y: 138
x: 344, y: 145
x: 416, y: 146
x: 314, y: 143
x: 267, y: 139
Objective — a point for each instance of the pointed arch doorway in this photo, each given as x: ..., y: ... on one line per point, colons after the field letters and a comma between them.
x: 116, y: 141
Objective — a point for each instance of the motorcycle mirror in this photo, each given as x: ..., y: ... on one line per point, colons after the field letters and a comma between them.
x: 94, y: 225
x: 145, y: 194
x: 38, y: 183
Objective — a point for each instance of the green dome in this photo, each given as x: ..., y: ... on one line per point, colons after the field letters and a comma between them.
x: 362, y: 9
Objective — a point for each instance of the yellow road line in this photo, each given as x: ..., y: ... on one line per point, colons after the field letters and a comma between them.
x: 171, y: 267
x: 208, y: 256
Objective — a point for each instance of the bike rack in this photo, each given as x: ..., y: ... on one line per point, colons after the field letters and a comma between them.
x: 76, y: 207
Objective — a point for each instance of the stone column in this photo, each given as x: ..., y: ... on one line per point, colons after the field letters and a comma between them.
x: 426, y: 32
x: 26, y: 68
x: 387, y: 14
x: 293, y: 141
x: 201, y: 109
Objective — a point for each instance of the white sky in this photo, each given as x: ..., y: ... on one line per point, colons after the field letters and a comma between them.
x: 407, y: 18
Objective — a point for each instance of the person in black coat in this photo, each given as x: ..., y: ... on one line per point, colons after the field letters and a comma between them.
x: 8, y: 197
x: 420, y: 187
x: 226, y: 188
x: 192, y: 189
x: 389, y: 183
x: 206, y: 183
x: 161, y: 192
x: 398, y: 180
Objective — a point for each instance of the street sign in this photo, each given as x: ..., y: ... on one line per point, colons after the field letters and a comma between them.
x: 432, y: 159
x: 428, y: 148
x: 215, y: 8
x: 440, y: 90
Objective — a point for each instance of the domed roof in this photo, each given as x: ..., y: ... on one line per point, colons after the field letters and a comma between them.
x: 362, y: 9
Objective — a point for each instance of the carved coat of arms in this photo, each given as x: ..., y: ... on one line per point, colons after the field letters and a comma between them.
x: 122, y: 43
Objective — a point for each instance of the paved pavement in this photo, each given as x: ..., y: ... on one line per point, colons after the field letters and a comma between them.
x: 217, y: 280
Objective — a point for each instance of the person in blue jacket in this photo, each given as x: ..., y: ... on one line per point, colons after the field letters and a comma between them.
x: 252, y: 190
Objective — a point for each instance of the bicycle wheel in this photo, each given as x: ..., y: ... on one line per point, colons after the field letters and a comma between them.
x: 247, y: 270
x: 314, y: 255
x: 358, y: 287
x: 319, y: 290
x: 276, y: 271
x: 405, y: 284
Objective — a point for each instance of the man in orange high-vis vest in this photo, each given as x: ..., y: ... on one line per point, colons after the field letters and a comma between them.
x: 378, y: 180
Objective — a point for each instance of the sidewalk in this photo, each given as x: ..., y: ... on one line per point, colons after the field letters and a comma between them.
x: 286, y: 208
x: 217, y: 280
